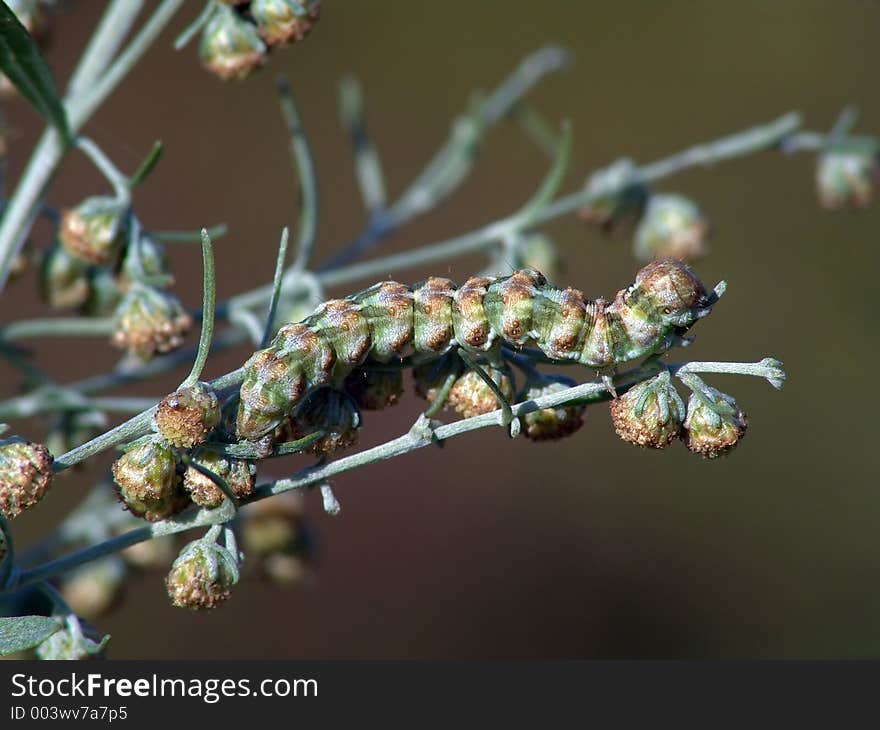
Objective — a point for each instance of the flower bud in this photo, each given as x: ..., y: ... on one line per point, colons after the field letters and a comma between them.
x: 64, y: 281
x: 150, y: 264
x: 714, y: 423
x: 650, y: 414
x: 551, y: 423
x: 239, y: 475
x: 429, y: 377
x: 846, y: 178
x: 472, y: 396
x: 374, y: 390
x: 328, y: 410
x: 104, y: 294
x: 283, y: 21
x: 25, y: 475
x: 150, y: 321
x: 92, y: 589
x: 539, y: 252
x: 75, y: 641
x: 672, y: 226
x: 186, y: 417
x: 147, y: 481
x: 95, y: 231
x: 617, y: 199
x: 230, y: 47
x: 202, y: 576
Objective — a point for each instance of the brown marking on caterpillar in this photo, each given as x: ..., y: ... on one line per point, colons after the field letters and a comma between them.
x: 344, y: 316
x: 302, y: 339
x: 518, y: 289
x: 432, y: 305
x: 472, y: 326
x: 398, y: 302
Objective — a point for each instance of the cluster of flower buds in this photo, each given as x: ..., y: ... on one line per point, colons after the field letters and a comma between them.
x: 276, y: 538
x: 237, y: 38
x: 25, y: 475
x: 652, y: 414
x: 151, y: 477
x: 202, y: 576
x: 470, y: 395
x: 32, y: 15
x: 847, y: 177
x: 150, y: 321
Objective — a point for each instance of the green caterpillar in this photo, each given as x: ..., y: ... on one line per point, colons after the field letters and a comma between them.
x: 390, y: 320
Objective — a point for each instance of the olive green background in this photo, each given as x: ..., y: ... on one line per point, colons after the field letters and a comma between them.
x: 589, y: 547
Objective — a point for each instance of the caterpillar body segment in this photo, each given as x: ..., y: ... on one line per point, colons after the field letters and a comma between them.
x: 390, y: 320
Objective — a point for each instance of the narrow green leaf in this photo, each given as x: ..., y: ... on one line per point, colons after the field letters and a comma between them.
x: 18, y: 633
x: 24, y: 65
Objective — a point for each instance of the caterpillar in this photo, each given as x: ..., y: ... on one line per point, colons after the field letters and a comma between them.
x: 390, y: 320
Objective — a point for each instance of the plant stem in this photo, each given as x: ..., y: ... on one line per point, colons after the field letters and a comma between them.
x: 79, y: 106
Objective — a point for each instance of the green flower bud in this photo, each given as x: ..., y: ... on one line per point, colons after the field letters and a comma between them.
x: 283, y: 21
x: 148, y: 482
x: 240, y: 477
x: 472, y: 396
x: 846, y: 178
x: 186, y: 417
x: 650, y: 414
x: 609, y: 210
x: 374, y: 390
x: 230, y: 47
x: 150, y: 321
x: 714, y: 424
x: 202, y: 576
x: 539, y: 252
x: 64, y: 281
x: 153, y: 266
x: 328, y: 410
x: 551, y: 423
x: 672, y: 226
x: 25, y: 475
x: 95, y: 231
x: 104, y: 294
x: 74, y: 641
x: 92, y: 589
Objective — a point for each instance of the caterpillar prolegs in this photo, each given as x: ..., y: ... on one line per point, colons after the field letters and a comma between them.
x: 391, y: 320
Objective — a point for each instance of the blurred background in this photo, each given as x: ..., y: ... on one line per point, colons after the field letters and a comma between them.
x: 491, y: 548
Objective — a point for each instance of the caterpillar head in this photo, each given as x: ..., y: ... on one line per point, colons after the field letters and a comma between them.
x: 676, y: 293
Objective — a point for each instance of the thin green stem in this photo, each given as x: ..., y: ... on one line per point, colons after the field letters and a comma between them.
x: 147, y: 166
x: 221, y: 229
x: 106, y: 167
x: 276, y: 288
x: 58, y: 327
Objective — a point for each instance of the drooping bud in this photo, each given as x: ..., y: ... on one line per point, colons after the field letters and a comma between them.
x: 231, y: 47
x: 672, y: 226
x: 374, y: 390
x: 75, y: 641
x: 147, y: 262
x: 617, y: 198
x: 649, y: 414
x: 551, y: 423
x: 202, y: 576
x: 239, y: 475
x: 471, y: 395
x: 846, y: 178
x: 95, y: 230
x: 328, y: 410
x: 64, y: 281
x: 148, y: 483
x: 539, y: 252
x: 284, y: 21
x: 25, y: 475
x: 92, y: 589
x: 150, y: 321
x: 186, y: 417
x: 714, y: 423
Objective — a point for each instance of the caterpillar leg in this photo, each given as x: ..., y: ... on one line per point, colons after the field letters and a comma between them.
x: 506, y: 411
